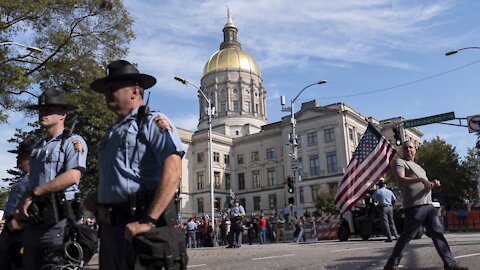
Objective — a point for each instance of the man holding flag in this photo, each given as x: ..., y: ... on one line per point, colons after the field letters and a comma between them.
x: 417, y: 201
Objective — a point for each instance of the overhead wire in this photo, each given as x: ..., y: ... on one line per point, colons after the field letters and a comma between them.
x: 404, y: 84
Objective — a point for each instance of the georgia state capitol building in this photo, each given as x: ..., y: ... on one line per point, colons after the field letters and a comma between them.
x: 250, y: 155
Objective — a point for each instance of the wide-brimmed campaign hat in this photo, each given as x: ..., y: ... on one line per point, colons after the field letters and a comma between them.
x: 123, y: 70
x: 51, y: 98
x: 26, y: 146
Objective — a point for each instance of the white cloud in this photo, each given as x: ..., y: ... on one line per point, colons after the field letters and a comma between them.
x: 174, y: 38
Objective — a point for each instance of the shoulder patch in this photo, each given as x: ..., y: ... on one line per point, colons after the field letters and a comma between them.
x: 162, y: 124
x: 77, y: 145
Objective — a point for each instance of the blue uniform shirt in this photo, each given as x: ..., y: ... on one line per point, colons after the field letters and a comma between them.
x: 48, y: 161
x: 128, y: 166
x: 237, y: 210
x: 15, y: 195
x: 384, y: 196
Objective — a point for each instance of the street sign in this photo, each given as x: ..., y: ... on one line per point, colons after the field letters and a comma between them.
x: 473, y: 123
x: 429, y: 120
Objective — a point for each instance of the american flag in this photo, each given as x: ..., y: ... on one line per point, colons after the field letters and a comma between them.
x: 368, y: 164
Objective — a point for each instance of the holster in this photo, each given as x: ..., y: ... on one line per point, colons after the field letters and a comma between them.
x: 133, y: 210
x: 48, y: 209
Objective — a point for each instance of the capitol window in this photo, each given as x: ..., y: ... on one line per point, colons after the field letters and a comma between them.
x: 235, y: 106
x: 247, y: 106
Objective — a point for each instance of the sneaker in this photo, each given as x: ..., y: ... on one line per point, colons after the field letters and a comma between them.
x: 456, y: 267
x: 393, y: 267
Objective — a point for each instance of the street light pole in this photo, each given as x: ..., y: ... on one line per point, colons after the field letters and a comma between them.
x: 293, y: 140
x: 210, y: 113
x: 478, y: 141
x: 456, y: 51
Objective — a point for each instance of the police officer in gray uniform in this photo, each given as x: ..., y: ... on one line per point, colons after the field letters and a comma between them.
x: 417, y: 201
x: 140, y: 166
x: 56, y: 165
x: 385, y: 199
x: 11, y: 236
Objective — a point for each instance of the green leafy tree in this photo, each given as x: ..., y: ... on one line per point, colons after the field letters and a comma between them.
x: 441, y: 162
x: 471, y: 166
x: 78, y: 38
x: 3, y: 197
x: 325, y: 201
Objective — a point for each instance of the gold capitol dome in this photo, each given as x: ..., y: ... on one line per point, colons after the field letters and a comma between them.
x: 230, y: 56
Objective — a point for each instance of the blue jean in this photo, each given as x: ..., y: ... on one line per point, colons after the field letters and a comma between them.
x: 263, y: 238
x: 414, y: 218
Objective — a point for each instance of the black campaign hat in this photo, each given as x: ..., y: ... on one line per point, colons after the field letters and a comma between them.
x: 52, y: 97
x: 123, y: 70
x: 26, y: 146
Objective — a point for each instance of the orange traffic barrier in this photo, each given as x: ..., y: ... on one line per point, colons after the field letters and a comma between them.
x: 452, y: 221
x: 472, y: 225
x: 475, y: 220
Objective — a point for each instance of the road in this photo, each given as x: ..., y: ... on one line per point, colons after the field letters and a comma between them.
x: 350, y: 255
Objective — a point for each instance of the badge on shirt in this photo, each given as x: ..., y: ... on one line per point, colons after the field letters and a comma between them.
x: 77, y: 145
x: 162, y: 124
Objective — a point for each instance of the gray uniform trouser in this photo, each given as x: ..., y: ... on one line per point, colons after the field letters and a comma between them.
x: 115, y: 251
x: 192, y: 239
x: 237, y: 238
x: 39, y: 241
x: 414, y: 218
x: 387, y: 221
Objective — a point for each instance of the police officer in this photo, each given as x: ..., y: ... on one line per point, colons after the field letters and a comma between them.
x: 11, y: 236
x: 56, y: 165
x: 140, y: 166
x: 237, y: 212
x: 385, y: 199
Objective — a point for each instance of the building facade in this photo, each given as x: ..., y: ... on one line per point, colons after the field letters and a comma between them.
x: 251, y: 157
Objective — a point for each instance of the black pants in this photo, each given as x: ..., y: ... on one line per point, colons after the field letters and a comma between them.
x: 10, y: 244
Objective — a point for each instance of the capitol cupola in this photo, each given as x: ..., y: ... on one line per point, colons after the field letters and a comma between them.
x: 232, y: 81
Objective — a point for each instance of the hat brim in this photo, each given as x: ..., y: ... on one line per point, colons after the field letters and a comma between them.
x: 19, y: 152
x: 66, y: 106
x: 147, y: 81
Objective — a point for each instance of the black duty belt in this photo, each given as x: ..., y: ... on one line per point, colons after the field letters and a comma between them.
x: 135, y: 209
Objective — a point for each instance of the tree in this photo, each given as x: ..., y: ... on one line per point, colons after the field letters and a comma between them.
x: 3, y: 197
x: 325, y: 201
x: 471, y: 165
x: 441, y: 162
x: 78, y: 39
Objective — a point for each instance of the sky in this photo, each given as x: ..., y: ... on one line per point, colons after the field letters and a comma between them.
x: 384, y: 58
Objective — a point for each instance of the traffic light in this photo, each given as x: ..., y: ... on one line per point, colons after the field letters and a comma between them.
x: 290, y: 184
x: 291, y: 200
x: 397, y: 137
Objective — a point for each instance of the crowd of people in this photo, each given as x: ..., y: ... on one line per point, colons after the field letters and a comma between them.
x: 232, y: 231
